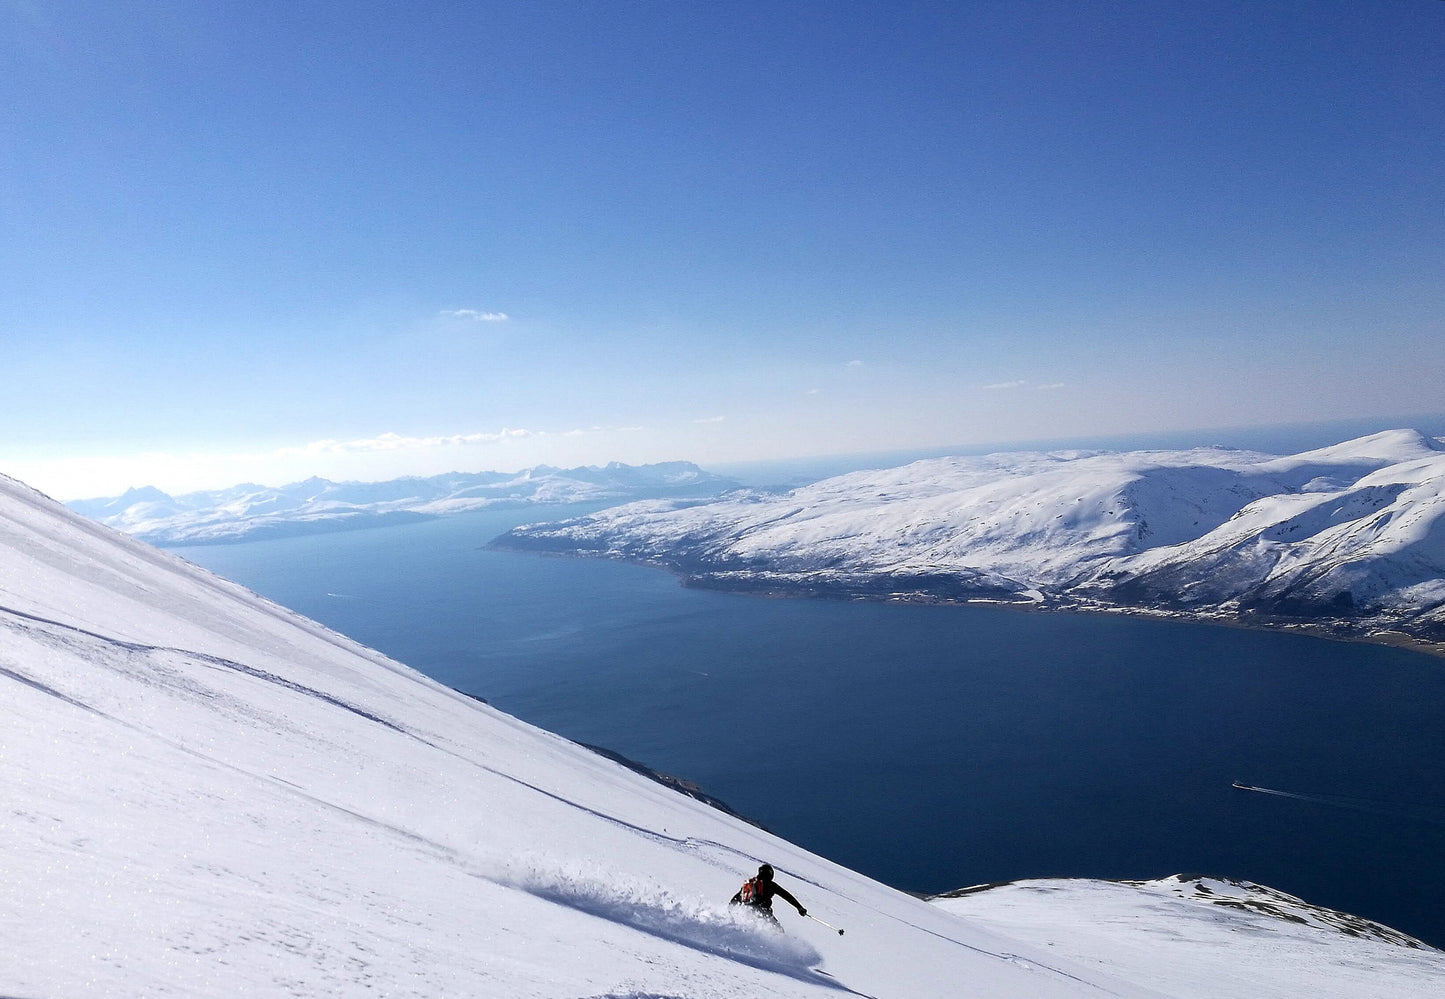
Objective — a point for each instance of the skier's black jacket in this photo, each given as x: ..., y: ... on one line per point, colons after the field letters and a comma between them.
x: 763, y: 890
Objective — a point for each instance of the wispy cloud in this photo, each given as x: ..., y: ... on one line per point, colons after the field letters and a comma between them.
x: 854, y: 364
x: 710, y: 419
x: 584, y: 431
x: 475, y: 315
x: 397, y: 442
x: 1019, y: 383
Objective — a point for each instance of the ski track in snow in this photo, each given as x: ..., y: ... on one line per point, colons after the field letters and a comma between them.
x: 209, y: 660
x: 690, y: 843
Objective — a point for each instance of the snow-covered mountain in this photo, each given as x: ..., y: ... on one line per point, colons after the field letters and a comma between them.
x: 248, y: 512
x: 208, y: 795
x: 1351, y: 537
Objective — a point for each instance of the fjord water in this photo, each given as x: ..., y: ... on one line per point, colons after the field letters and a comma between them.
x: 930, y: 747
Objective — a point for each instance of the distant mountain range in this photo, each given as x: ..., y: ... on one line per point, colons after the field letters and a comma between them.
x: 1349, y: 538
x: 250, y: 512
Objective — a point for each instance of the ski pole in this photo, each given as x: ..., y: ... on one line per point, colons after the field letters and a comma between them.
x: 829, y: 925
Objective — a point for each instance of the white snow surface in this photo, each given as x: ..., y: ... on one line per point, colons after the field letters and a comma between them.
x: 249, y: 511
x: 1354, y: 532
x: 1169, y: 935
x: 208, y: 795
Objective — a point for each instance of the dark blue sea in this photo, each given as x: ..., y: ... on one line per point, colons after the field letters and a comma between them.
x: 929, y: 747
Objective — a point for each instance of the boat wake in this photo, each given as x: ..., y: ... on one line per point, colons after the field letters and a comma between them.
x: 1431, y: 814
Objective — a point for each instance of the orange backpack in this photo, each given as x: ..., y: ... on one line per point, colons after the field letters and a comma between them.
x: 749, y: 894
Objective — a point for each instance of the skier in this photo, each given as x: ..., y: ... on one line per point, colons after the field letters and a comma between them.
x: 758, y: 892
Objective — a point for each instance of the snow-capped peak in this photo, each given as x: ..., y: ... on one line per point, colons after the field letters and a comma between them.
x: 1350, y: 536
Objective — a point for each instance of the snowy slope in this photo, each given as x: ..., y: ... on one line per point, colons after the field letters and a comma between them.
x: 1168, y: 935
x: 1353, y: 535
x: 207, y: 795
x: 247, y: 512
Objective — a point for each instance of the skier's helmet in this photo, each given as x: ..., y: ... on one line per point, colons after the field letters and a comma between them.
x: 766, y: 872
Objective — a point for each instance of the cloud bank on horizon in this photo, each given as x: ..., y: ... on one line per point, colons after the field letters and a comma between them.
x: 232, y: 231
x: 507, y: 449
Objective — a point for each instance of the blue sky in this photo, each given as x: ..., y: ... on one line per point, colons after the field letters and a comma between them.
x: 257, y: 241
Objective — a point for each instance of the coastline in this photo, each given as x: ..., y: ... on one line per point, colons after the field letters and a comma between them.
x: 873, y: 590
